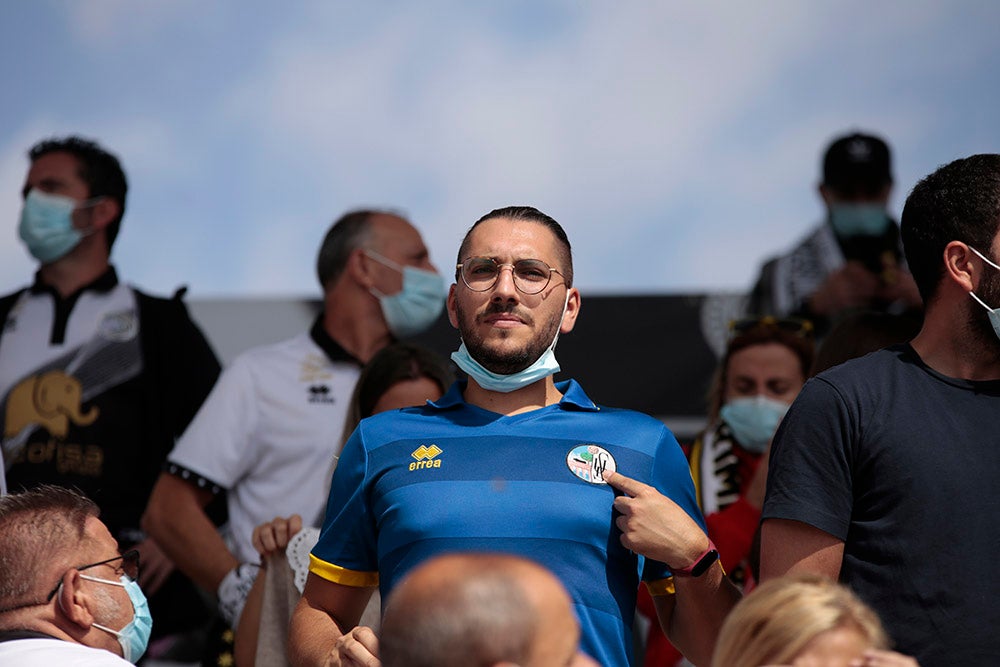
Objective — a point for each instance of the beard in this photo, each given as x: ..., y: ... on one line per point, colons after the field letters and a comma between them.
x: 499, y: 360
x: 979, y: 324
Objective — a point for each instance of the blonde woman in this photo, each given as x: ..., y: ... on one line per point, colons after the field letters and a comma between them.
x: 804, y: 621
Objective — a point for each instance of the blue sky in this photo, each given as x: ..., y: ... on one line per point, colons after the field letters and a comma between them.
x: 678, y: 143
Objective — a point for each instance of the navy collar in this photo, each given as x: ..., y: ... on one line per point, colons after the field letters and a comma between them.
x: 574, y: 398
x: 63, y: 307
x: 105, y: 282
x: 330, y: 347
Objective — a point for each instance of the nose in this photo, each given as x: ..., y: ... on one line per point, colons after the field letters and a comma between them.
x: 504, y: 288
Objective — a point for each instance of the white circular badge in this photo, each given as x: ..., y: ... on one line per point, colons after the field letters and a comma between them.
x: 590, y: 463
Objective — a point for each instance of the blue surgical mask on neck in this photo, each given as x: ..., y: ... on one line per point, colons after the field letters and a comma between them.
x: 994, y: 312
x: 543, y: 367
x: 858, y: 219
x: 415, y: 307
x: 134, y: 637
x: 753, y: 420
x: 46, y: 225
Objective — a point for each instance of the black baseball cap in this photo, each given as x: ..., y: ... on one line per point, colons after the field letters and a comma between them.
x: 857, y: 163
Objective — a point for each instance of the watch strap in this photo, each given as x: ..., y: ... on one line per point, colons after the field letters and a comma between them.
x: 700, y: 564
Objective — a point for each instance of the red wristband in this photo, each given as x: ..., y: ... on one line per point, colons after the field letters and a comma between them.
x: 700, y: 564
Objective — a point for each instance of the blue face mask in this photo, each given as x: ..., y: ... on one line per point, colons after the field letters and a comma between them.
x: 543, y: 367
x: 46, y: 225
x: 415, y: 307
x: 858, y: 219
x: 753, y: 420
x: 134, y: 637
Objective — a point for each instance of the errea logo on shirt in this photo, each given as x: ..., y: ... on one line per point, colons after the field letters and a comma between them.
x: 425, y: 457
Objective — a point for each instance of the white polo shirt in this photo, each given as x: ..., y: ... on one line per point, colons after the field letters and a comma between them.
x: 269, y: 433
x: 44, y: 652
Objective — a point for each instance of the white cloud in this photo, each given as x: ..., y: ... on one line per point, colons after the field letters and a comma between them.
x: 678, y: 142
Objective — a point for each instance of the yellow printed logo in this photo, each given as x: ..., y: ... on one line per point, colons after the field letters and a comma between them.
x: 51, y: 400
x: 425, y: 457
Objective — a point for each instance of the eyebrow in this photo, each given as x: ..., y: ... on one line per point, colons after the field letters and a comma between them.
x: 47, y: 183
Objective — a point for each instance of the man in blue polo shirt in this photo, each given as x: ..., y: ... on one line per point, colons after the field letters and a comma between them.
x: 509, y: 461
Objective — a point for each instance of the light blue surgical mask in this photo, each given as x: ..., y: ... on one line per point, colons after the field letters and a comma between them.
x: 994, y: 312
x: 415, y: 307
x: 543, y: 367
x: 46, y: 225
x: 859, y: 219
x: 753, y: 420
x: 134, y: 637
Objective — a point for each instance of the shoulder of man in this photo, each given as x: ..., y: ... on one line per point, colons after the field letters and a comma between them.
x: 161, y: 306
x: 7, y: 302
x: 865, y: 369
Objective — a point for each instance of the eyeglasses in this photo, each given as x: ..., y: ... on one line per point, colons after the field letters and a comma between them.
x: 129, y: 567
x: 792, y: 325
x: 531, y: 276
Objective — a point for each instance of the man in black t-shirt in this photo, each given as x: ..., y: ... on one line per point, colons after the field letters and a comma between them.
x: 884, y: 471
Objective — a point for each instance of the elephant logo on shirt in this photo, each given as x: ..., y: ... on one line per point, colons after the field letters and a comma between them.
x: 50, y: 400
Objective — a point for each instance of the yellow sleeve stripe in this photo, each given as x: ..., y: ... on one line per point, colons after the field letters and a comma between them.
x: 340, y: 575
x: 661, y: 587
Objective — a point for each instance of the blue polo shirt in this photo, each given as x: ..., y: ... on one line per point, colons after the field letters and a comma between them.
x: 449, y: 476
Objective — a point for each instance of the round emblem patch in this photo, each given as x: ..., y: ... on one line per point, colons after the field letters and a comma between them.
x: 120, y: 326
x: 590, y: 463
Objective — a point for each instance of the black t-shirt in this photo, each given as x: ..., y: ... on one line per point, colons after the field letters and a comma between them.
x: 903, y: 465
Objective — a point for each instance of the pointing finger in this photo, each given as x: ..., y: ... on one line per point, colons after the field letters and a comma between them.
x: 627, y: 485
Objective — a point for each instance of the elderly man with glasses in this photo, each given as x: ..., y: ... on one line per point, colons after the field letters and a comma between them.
x: 67, y: 596
x: 510, y: 461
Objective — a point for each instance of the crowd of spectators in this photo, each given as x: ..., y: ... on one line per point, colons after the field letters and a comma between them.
x: 836, y: 507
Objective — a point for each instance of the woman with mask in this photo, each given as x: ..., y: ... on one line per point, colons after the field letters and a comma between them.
x: 766, y: 362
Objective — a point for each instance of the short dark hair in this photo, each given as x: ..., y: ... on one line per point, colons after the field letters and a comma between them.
x: 528, y: 214
x: 958, y: 202
x: 46, y: 519
x: 392, y: 364
x: 99, y: 169
x: 349, y: 232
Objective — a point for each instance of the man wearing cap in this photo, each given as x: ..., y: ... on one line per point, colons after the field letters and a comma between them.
x: 853, y: 260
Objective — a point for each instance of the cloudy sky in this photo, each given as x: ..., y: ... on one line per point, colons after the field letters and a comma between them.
x: 678, y: 143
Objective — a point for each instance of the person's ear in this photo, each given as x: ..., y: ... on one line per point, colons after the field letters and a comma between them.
x: 960, y: 268
x: 452, y: 312
x: 825, y: 194
x: 572, y: 311
x: 103, y: 212
x: 75, y: 603
x: 359, y: 268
